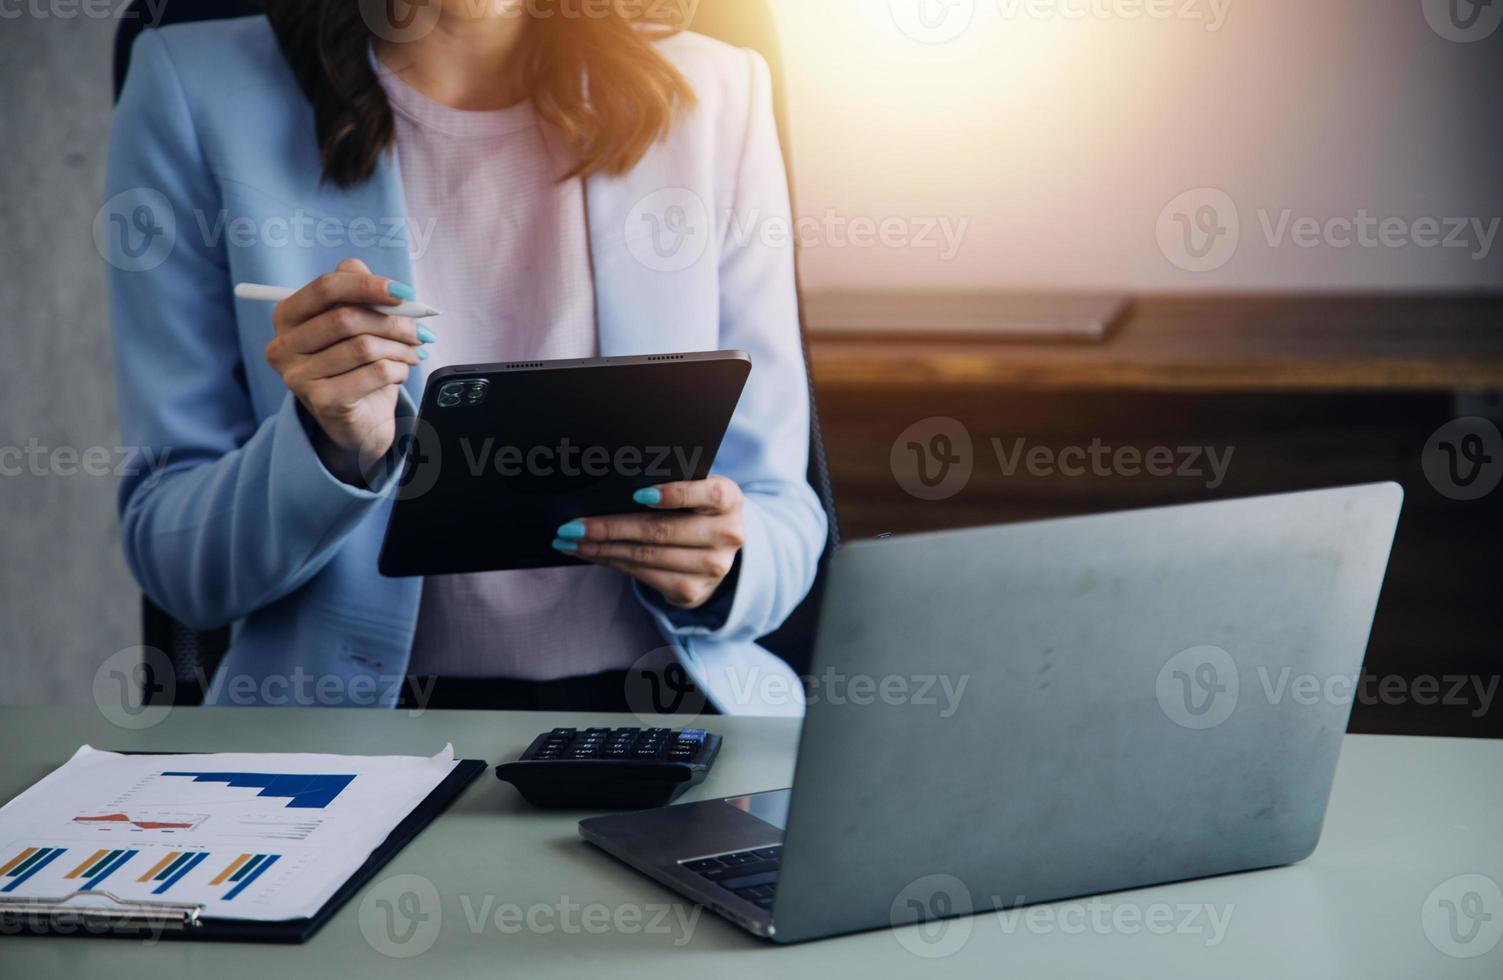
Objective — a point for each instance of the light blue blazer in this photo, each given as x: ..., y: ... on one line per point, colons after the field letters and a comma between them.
x: 214, y: 178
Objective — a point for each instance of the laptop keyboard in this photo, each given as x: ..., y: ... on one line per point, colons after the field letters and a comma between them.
x: 751, y: 875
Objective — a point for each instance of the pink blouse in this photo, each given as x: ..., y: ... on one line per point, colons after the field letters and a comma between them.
x: 502, y: 247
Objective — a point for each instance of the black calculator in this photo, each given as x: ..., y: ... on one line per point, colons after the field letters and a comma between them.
x: 611, y: 768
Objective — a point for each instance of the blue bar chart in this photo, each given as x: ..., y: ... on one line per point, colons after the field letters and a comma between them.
x: 25, y: 864
x: 172, y: 868
x: 99, y: 866
x: 242, y: 871
x: 302, y: 791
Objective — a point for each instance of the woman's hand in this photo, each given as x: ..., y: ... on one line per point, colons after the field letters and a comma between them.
x: 684, y: 556
x: 346, y: 363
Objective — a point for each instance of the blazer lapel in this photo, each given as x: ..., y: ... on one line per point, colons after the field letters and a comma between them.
x: 644, y: 306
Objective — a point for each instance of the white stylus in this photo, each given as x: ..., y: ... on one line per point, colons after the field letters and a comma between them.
x: 275, y: 294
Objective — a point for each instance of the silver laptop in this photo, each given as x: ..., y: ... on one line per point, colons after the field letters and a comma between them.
x: 1050, y: 710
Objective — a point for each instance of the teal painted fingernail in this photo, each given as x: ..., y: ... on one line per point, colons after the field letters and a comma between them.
x: 400, y: 290
x: 427, y: 336
x: 567, y: 547
x: 572, y: 531
x: 422, y: 353
x: 648, y: 496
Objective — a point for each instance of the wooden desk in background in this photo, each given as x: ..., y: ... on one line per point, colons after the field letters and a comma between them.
x: 1305, y: 391
x: 1211, y: 344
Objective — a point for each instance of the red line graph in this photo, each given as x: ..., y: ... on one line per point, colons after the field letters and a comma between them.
x: 143, y: 824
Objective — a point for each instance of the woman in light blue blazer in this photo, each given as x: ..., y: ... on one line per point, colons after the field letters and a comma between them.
x: 367, y: 162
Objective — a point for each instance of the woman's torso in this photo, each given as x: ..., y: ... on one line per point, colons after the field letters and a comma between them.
x: 501, y: 245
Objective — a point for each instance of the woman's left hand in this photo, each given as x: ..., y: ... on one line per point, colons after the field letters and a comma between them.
x: 684, y: 555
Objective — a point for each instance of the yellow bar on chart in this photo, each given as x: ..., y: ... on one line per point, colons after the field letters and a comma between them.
x: 219, y: 879
x: 18, y: 859
x: 86, y: 865
x: 159, y: 866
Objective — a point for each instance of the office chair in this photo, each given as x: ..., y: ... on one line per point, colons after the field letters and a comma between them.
x: 744, y: 23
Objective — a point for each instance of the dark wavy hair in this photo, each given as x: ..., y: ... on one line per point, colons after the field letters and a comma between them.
x: 596, y: 76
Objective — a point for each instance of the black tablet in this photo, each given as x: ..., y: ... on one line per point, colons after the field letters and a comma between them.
x: 502, y: 455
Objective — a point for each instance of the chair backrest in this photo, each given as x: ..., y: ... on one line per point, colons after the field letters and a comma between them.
x: 743, y: 23
x: 750, y: 24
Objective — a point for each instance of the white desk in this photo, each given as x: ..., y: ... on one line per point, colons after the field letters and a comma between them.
x: 1407, y: 816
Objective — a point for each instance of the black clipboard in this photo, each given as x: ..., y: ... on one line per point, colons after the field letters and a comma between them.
x: 176, y: 920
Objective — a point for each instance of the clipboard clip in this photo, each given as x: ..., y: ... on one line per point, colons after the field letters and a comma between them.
x: 59, y: 914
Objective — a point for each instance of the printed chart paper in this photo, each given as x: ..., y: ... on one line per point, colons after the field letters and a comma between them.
x: 260, y: 837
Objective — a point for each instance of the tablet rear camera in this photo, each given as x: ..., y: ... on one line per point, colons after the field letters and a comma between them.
x: 468, y: 393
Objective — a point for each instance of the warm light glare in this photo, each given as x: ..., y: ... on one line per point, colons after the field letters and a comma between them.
x: 1057, y: 131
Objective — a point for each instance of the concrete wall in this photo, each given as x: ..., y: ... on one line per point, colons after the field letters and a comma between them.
x: 66, y: 600
x: 1058, y: 141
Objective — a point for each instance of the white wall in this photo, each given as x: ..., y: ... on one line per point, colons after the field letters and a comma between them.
x: 1061, y: 141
